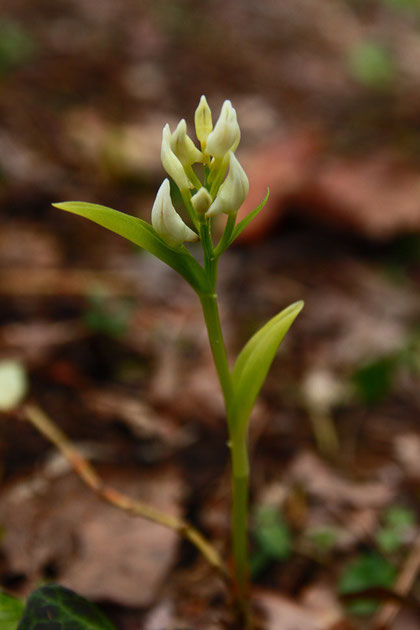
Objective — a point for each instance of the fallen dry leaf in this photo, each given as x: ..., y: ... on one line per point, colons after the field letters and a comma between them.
x: 376, y: 195
x: 282, y: 165
x: 283, y: 613
x: 104, y: 554
x: 322, y: 482
x: 140, y: 417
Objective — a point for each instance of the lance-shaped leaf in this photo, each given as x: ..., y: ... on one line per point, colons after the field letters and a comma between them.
x: 247, y: 220
x: 11, y: 610
x: 142, y: 234
x: 59, y: 608
x: 231, y: 233
x: 254, y: 361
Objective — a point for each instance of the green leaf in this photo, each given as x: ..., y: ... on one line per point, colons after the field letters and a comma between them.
x: 366, y: 571
x: 372, y: 65
x: 54, y: 607
x: 400, y: 517
x: 272, y: 533
x: 247, y: 220
x: 11, y: 610
x: 254, y: 361
x: 323, y: 538
x: 398, y: 521
x: 142, y: 234
x: 374, y: 381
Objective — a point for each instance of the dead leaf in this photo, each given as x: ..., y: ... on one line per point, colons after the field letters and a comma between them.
x: 283, y: 613
x: 93, y: 548
x: 325, y: 484
x: 282, y: 165
x: 376, y: 195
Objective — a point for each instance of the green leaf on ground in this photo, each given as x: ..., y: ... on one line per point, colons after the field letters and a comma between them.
x: 17, y: 46
x: 11, y: 610
x: 397, y: 521
x: 54, y: 607
x: 368, y: 570
x: 374, y: 380
x: 272, y: 533
x: 372, y: 64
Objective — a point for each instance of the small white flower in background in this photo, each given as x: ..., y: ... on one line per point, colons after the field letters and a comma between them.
x: 232, y: 193
x: 171, y: 163
x: 166, y: 221
x: 203, y: 121
x: 201, y: 201
x: 322, y: 390
x: 226, y: 133
x: 13, y: 384
x: 183, y: 147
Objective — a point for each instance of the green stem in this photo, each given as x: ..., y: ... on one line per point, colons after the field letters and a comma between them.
x: 238, y: 439
x: 239, y: 460
x: 217, y: 345
x: 240, y: 469
x: 192, y: 176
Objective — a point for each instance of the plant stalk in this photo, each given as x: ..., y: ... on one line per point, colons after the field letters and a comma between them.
x: 240, y: 490
x: 239, y: 459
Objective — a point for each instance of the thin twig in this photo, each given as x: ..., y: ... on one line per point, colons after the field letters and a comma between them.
x: 89, y: 476
x: 404, y: 582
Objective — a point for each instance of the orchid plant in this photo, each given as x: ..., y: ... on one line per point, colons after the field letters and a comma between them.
x: 219, y: 186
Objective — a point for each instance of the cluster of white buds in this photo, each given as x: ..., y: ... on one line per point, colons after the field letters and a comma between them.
x: 204, y: 199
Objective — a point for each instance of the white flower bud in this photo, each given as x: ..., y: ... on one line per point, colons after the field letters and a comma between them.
x: 203, y: 121
x: 201, y: 201
x: 183, y: 147
x: 171, y: 163
x: 232, y: 193
x: 166, y: 221
x: 226, y: 133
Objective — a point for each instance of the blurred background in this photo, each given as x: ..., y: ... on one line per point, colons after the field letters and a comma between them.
x: 112, y: 342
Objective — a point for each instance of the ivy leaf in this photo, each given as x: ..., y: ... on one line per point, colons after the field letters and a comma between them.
x: 142, y: 234
x: 11, y: 610
x: 254, y: 361
x: 247, y: 220
x: 54, y: 607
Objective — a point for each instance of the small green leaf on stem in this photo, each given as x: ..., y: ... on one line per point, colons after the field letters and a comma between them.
x: 247, y: 220
x: 366, y: 571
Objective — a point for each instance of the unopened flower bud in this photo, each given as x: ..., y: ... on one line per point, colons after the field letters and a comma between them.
x: 232, y: 193
x: 226, y: 133
x: 183, y: 147
x: 171, y: 163
x: 203, y: 121
x: 201, y: 201
x: 166, y: 221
